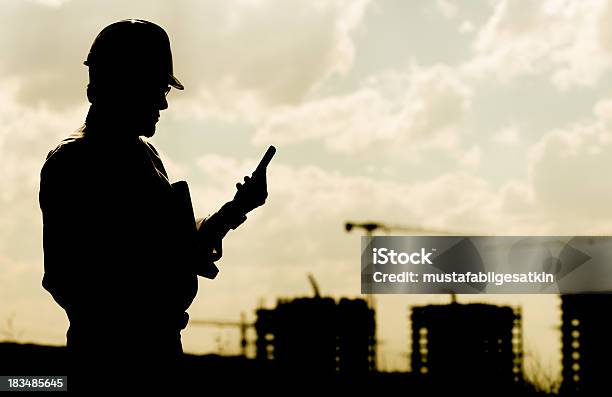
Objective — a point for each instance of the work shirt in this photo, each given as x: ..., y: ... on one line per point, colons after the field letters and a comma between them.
x: 120, y: 255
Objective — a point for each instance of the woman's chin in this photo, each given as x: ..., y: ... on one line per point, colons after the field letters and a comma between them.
x: 148, y: 130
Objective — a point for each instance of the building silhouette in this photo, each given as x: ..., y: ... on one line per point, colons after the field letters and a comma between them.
x: 467, y: 343
x: 586, y: 345
x: 317, y: 335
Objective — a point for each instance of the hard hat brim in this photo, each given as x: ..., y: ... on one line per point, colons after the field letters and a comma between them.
x: 174, y: 82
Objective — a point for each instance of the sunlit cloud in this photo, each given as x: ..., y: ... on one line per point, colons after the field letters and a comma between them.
x: 566, y: 40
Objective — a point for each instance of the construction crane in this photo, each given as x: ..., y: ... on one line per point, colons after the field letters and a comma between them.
x: 371, y: 227
x: 242, y: 325
x: 315, y: 285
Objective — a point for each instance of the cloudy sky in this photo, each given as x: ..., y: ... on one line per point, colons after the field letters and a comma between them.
x: 482, y: 117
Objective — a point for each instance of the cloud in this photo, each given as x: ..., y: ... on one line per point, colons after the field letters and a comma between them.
x: 266, y: 54
x: 446, y: 8
x: 396, y: 112
x: 51, y: 3
x: 507, y: 136
x: 26, y: 136
x: 565, y: 39
x: 234, y: 57
x: 569, y: 171
x: 318, y: 202
x: 565, y: 191
x: 466, y: 27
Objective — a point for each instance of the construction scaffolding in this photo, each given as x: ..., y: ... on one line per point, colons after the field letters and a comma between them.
x: 465, y: 343
x: 586, y: 343
x: 318, y: 335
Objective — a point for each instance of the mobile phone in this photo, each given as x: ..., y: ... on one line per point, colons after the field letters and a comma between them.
x: 265, y: 160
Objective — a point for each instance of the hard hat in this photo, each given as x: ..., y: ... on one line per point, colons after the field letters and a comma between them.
x: 131, y: 49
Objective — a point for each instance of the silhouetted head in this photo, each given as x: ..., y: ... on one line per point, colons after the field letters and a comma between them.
x: 130, y: 74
